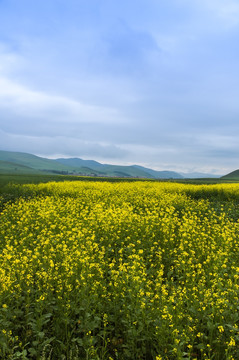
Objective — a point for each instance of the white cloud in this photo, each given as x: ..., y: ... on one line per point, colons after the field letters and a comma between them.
x: 61, y: 146
x: 21, y: 101
x: 92, y: 89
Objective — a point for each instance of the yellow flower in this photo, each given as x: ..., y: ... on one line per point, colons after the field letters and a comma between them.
x: 221, y: 328
x: 232, y: 342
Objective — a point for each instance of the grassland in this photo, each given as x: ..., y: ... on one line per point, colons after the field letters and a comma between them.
x: 123, y: 270
x: 21, y: 177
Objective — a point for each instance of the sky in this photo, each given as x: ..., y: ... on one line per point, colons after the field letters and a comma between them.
x: 147, y: 82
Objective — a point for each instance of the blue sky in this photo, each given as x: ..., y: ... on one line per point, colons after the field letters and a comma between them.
x: 149, y: 82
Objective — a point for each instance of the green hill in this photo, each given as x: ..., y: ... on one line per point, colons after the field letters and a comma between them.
x: 38, y: 163
x: 104, y: 169
x: 234, y: 175
x: 32, y: 161
x: 122, y: 171
x: 78, y: 162
x: 160, y: 174
x: 24, y: 163
x: 20, y: 162
x: 13, y: 168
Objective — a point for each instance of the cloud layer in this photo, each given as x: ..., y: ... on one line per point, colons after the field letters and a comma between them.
x: 153, y: 83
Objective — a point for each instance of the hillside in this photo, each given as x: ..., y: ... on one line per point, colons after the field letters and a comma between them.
x: 38, y: 163
x: 105, y: 169
x: 32, y: 161
x: 199, y: 175
x: 77, y: 162
x: 121, y: 171
x: 234, y: 175
x: 24, y: 163
x: 13, y: 168
x: 160, y: 174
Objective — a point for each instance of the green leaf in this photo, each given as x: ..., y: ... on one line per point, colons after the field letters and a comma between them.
x: 41, y: 334
x: 32, y: 351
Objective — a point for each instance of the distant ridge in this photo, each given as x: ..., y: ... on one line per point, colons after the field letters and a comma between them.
x: 20, y: 162
x: 161, y: 174
x: 119, y: 170
x: 79, y: 162
x: 198, y: 175
x: 37, y: 163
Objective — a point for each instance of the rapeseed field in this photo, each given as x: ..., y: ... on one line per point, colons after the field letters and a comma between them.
x: 133, y: 270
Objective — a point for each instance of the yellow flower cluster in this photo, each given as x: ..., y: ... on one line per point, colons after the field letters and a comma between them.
x: 122, y: 270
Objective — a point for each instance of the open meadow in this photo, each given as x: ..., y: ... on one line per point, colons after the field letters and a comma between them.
x: 124, y: 270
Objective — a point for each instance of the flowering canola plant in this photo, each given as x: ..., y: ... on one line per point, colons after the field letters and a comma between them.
x: 133, y: 270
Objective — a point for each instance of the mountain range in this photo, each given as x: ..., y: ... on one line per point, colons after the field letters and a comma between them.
x: 19, y: 162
